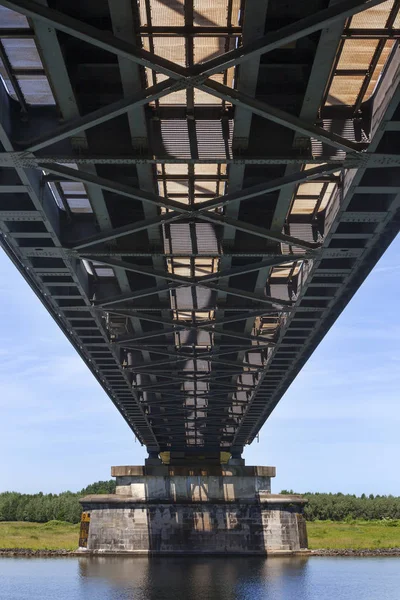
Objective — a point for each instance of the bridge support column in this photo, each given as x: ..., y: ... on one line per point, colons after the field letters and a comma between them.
x: 199, y: 510
x: 153, y: 459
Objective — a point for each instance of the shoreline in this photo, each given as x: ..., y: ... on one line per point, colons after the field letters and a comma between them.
x: 355, y: 552
x: 345, y: 552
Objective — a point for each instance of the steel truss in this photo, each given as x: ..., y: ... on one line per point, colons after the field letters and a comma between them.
x: 226, y: 357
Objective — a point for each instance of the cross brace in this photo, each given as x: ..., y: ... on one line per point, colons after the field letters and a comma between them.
x: 197, y: 76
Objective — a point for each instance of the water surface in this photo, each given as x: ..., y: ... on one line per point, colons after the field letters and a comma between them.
x: 208, y: 578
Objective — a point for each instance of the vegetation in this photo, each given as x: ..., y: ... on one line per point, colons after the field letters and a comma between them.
x: 335, y: 521
x: 54, y: 535
x: 354, y: 534
x: 41, y: 508
x: 57, y: 535
x: 50, y: 521
x: 339, y: 507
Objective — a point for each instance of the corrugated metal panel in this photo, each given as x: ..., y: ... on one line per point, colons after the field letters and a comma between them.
x: 175, y: 138
x: 279, y: 291
x: 357, y: 54
x: 10, y: 19
x: 163, y: 13
x: 183, y: 298
x: 344, y: 90
x: 302, y: 231
x: 373, y: 18
x: 210, y: 139
x: 180, y: 239
x: 205, y: 297
x: 389, y: 45
x: 203, y: 338
x: 206, y: 238
x: 79, y: 205
x: 210, y: 13
x: 22, y: 53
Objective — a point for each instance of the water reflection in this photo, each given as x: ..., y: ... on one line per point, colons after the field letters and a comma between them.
x: 173, y: 578
x: 192, y: 578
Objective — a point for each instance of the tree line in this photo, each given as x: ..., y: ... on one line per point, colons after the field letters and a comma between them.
x: 41, y: 508
x: 341, y: 507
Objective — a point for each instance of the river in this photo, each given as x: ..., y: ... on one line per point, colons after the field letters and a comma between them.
x: 207, y: 578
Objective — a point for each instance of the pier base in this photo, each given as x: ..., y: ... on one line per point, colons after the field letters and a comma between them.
x: 181, y: 510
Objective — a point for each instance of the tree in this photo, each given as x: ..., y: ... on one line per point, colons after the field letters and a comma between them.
x: 42, y: 508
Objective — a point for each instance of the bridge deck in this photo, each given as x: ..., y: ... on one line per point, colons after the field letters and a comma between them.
x: 195, y: 190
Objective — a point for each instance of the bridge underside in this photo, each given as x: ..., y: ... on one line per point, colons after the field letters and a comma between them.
x: 195, y: 190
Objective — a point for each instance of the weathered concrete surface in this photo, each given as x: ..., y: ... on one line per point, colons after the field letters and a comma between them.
x: 196, y: 511
x: 223, y: 470
x: 183, y: 484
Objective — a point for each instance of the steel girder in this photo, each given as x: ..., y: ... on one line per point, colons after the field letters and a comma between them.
x: 185, y: 77
x: 73, y: 250
x: 43, y: 211
x: 351, y: 274
x: 105, y: 41
x: 15, y: 159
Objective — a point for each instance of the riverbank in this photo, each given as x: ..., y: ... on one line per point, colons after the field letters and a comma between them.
x: 353, y: 535
x: 326, y: 538
x: 53, y: 536
x: 26, y: 553
x: 352, y: 552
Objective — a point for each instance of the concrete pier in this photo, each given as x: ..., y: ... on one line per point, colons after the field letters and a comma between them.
x: 181, y: 510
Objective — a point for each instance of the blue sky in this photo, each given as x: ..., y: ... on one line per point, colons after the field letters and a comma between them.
x: 336, y: 429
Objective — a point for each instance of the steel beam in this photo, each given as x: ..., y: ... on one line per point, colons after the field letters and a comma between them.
x: 106, y: 41
x: 258, y: 231
x: 198, y: 212
x: 177, y: 326
x: 153, y: 380
x: 97, y: 37
x: 204, y: 354
x: 126, y: 50
x: 176, y: 360
x: 114, y: 186
x: 152, y: 319
x: 286, y: 35
x: 388, y: 99
x: 369, y: 158
x: 178, y: 280
x: 201, y: 280
x: 280, y: 117
x: 118, y: 232
x: 266, y: 188
x: 101, y: 115
x: 43, y: 202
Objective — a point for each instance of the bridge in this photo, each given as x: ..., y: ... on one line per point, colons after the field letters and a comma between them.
x: 195, y: 189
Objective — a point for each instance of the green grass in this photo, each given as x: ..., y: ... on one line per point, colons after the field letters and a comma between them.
x: 54, y: 535
x: 57, y: 535
x: 354, y: 534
